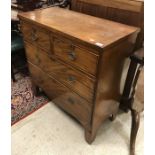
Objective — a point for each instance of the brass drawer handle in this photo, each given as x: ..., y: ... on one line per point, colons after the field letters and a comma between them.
x: 34, y: 37
x: 71, y: 78
x: 70, y: 100
x: 72, y: 56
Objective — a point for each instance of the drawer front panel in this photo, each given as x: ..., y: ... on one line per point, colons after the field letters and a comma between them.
x: 36, y: 35
x: 75, y: 80
x: 62, y: 96
x: 81, y: 58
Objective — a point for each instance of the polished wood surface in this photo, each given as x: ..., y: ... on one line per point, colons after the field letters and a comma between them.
x: 107, y: 94
x: 130, y: 12
x: 76, y: 56
x: 36, y: 35
x: 129, y: 5
x: 82, y: 70
x: 94, y: 31
x: 75, y: 80
x: 62, y: 96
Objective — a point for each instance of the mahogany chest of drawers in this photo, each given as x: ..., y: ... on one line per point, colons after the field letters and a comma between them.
x: 78, y: 60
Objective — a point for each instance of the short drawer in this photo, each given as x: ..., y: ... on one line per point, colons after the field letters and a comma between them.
x: 74, y: 79
x: 76, y: 56
x: 36, y: 35
x: 62, y: 96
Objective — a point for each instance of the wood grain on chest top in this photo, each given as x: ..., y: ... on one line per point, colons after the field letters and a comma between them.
x: 92, y: 30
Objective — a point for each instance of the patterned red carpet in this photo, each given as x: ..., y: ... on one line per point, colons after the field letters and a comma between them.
x: 23, y: 101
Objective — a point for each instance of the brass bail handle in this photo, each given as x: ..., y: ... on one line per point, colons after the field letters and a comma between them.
x: 72, y: 55
x: 33, y: 35
x: 71, y: 78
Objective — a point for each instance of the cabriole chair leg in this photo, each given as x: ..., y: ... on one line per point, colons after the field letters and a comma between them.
x: 134, y: 129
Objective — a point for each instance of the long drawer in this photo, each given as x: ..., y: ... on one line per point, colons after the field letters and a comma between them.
x: 62, y: 96
x: 36, y: 35
x: 74, y: 79
x: 75, y: 56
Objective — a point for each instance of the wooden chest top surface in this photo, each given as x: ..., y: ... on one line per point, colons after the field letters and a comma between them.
x: 98, y: 32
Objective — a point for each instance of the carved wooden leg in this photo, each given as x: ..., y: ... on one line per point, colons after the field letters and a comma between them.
x: 90, y: 133
x: 35, y: 89
x: 113, y: 117
x: 134, y: 130
x: 89, y: 136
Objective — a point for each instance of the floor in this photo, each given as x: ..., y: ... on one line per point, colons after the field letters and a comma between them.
x: 49, y: 131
